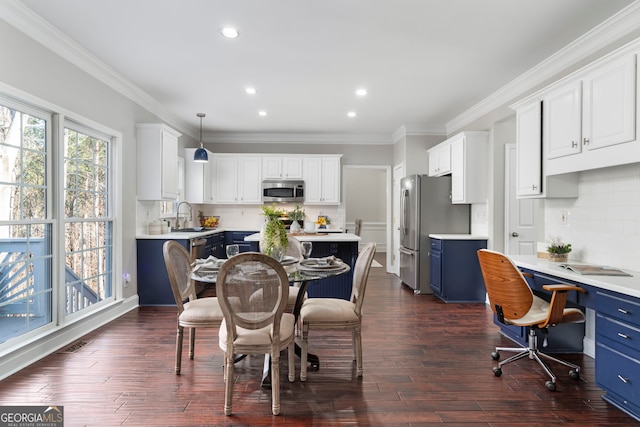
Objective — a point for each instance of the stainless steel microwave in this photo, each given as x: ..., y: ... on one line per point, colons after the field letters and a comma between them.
x: 282, y: 191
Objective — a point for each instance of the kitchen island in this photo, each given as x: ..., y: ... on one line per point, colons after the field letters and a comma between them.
x: 340, y: 245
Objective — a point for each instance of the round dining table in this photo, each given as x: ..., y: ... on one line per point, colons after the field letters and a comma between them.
x: 298, y: 274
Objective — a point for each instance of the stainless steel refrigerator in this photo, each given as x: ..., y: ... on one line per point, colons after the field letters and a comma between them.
x: 425, y: 208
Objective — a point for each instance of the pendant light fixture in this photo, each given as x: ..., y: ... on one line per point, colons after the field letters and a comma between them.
x: 201, y: 154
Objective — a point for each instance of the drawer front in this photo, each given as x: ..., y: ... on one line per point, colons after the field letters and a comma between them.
x: 618, y: 332
x: 617, y: 373
x: 619, y: 306
x: 436, y: 244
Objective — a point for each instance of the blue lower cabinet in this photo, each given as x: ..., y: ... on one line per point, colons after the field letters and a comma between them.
x: 154, y: 287
x: 455, y: 274
x: 338, y: 286
x: 237, y: 238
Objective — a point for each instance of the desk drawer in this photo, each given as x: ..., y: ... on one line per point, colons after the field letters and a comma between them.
x: 618, y: 373
x: 619, y: 306
x: 618, y: 332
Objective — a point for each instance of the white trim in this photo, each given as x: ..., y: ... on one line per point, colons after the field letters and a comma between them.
x: 51, y: 341
x: 296, y: 138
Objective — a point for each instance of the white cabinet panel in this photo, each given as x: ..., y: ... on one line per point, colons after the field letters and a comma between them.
x: 529, y: 150
x: 322, y: 180
x: 282, y: 167
x: 238, y: 179
x: 469, y: 157
x: 563, y: 121
x: 199, y: 178
x: 157, y: 162
x: 249, y: 179
x: 440, y: 160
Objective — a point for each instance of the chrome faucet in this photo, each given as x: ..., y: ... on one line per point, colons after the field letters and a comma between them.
x: 178, y: 213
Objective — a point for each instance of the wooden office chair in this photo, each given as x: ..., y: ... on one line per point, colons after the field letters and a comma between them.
x: 514, y: 303
x: 335, y: 313
x: 252, y: 290
x: 192, y: 312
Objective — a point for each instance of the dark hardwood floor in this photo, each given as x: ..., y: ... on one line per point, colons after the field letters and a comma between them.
x: 425, y: 363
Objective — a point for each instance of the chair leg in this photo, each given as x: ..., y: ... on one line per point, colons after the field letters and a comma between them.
x: 179, y: 334
x: 228, y: 384
x: 304, y: 352
x: 292, y: 362
x: 192, y: 342
x: 357, y: 335
x: 275, y: 382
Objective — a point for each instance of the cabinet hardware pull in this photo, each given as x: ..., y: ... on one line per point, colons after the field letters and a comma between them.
x: 574, y: 144
x: 514, y: 234
x: 623, y: 311
x: 623, y: 379
x: 534, y: 187
x: 621, y: 335
x: 585, y: 141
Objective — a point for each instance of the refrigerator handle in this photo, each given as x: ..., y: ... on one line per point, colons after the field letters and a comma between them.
x: 403, y: 210
x: 406, y: 252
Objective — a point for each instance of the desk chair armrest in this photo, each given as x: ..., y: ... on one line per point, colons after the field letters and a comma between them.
x: 558, y: 302
x: 562, y: 287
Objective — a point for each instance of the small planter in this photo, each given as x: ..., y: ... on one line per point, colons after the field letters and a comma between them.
x: 558, y: 257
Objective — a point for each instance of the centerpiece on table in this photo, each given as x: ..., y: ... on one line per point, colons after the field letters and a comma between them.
x: 297, y: 215
x: 558, y: 251
x: 273, y: 234
x: 323, y: 221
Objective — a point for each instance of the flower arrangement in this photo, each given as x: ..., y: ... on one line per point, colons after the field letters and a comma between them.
x: 323, y: 221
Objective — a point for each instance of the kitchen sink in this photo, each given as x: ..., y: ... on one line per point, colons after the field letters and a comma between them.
x: 187, y: 230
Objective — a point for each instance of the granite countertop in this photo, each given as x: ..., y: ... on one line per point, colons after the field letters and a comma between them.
x: 180, y: 235
x: 315, y: 237
x: 627, y: 285
x: 458, y: 237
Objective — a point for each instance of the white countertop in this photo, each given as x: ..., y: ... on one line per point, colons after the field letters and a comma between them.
x: 623, y: 284
x: 181, y: 235
x: 319, y: 237
x: 458, y: 237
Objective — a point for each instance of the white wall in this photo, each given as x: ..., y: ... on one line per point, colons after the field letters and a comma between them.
x: 603, y: 224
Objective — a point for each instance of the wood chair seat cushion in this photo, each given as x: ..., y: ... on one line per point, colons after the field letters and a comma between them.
x: 203, y: 312
x: 259, y: 337
x: 539, y: 311
x: 328, y: 310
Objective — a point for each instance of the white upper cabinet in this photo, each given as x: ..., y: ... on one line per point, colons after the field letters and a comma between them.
x: 530, y: 180
x: 469, y: 155
x: 238, y: 179
x: 282, y: 167
x: 199, y: 178
x: 322, y: 180
x: 440, y: 160
x: 590, y: 122
x: 157, y: 162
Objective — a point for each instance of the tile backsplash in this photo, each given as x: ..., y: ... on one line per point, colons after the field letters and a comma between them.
x: 603, y: 223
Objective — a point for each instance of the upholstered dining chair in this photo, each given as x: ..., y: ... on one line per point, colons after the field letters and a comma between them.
x: 358, y: 227
x: 253, y: 289
x: 192, y: 312
x: 294, y: 249
x: 336, y: 313
x: 514, y: 303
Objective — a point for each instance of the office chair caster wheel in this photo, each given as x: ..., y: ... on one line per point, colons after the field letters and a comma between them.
x: 575, y: 375
x: 495, y: 355
x: 497, y: 372
x: 551, y: 386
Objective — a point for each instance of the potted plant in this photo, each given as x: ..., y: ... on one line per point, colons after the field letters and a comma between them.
x: 296, y: 215
x: 273, y: 235
x: 558, y: 251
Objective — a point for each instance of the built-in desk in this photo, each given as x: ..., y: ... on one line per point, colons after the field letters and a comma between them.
x: 613, y: 326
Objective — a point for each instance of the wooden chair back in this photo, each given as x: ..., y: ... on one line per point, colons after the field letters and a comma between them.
x: 506, y: 286
x: 361, y: 275
x: 177, y: 261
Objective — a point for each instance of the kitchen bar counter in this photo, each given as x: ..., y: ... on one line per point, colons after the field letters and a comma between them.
x: 178, y: 235
x: 627, y: 285
x: 458, y: 237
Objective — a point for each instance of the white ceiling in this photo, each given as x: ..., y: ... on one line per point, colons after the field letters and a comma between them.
x: 423, y: 62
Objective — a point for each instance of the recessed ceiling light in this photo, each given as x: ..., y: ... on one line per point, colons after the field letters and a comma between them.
x: 351, y: 114
x: 361, y: 92
x: 262, y: 113
x: 251, y: 90
x: 229, y: 32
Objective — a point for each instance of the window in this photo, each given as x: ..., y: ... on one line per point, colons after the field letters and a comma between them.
x: 40, y: 276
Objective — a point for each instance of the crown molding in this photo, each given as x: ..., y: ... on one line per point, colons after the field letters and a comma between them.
x: 438, y: 129
x: 296, y: 138
x: 619, y: 25
x: 16, y: 14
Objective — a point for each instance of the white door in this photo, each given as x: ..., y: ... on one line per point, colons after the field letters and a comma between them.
x: 398, y: 174
x: 523, y: 216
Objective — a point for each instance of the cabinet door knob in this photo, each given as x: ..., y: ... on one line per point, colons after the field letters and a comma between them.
x: 514, y: 234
